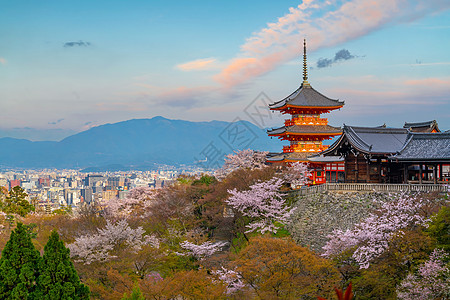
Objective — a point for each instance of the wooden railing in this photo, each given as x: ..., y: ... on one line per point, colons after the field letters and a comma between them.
x: 305, y: 121
x: 306, y: 148
x: 371, y: 187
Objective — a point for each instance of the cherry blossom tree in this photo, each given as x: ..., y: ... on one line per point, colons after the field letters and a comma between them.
x: 243, y: 159
x: 231, y: 279
x: 98, y: 246
x: 203, y: 250
x: 138, y: 198
x: 263, y: 203
x: 296, y: 174
x: 371, y: 237
x: 432, y: 280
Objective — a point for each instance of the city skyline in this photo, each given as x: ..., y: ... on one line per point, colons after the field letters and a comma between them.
x: 66, y: 67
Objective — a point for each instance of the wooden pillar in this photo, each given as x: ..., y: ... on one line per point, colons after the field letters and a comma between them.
x: 435, y: 173
x: 440, y: 172
x: 356, y: 168
x: 420, y: 173
x: 368, y: 171
x: 405, y: 173
x: 379, y: 170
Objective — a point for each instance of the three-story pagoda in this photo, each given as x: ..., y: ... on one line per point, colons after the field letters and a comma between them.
x: 306, y: 129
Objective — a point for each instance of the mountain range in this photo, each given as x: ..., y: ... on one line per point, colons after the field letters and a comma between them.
x: 139, y: 143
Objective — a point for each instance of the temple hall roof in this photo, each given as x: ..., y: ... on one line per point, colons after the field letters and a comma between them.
x: 425, y: 147
x: 371, y: 140
x: 307, y: 96
x: 427, y: 126
x: 306, y: 129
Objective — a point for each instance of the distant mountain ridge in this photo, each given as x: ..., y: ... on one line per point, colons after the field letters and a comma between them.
x: 139, y: 142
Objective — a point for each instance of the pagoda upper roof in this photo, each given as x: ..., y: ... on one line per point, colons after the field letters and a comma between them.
x: 425, y: 147
x: 427, y: 126
x: 306, y: 129
x: 307, y: 96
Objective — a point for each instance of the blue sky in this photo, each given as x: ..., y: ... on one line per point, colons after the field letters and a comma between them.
x: 66, y: 66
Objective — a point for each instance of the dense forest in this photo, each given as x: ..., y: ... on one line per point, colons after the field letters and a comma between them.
x: 222, y: 237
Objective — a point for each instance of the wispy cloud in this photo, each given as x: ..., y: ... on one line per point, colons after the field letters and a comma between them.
x: 324, y: 24
x: 198, y: 64
x: 341, y: 55
x: 3, y: 61
x: 279, y: 42
x: 56, y: 122
x: 80, y: 43
x: 400, y: 92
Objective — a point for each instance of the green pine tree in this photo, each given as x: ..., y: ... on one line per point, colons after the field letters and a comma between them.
x: 16, y: 202
x: 58, y: 278
x: 18, y: 265
x: 136, y: 294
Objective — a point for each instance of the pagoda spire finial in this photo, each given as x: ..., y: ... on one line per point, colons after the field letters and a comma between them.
x: 305, y: 67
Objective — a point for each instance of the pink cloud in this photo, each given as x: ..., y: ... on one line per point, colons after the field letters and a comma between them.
x: 324, y: 24
x: 430, y: 82
x: 198, y: 64
x: 280, y: 42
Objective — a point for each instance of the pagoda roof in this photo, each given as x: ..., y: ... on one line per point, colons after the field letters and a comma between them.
x: 292, y: 156
x: 370, y: 140
x: 306, y: 129
x: 307, y: 96
x: 425, y: 147
x: 427, y: 126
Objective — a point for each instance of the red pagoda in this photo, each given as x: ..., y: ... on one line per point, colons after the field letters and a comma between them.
x: 306, y: 130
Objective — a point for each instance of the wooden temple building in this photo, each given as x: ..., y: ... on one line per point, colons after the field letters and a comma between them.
x: 416, y: 153
x: 306, y: 129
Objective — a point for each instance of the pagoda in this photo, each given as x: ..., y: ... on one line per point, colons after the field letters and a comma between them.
x: 305, y: 129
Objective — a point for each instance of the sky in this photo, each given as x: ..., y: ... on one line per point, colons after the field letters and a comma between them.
x: 66, y: 66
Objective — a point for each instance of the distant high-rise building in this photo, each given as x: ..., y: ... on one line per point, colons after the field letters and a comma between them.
x: 86, y: 193
x: 43, y: 181
x: 91, y: 180
x: 116, y: 181
x: 13, y: 183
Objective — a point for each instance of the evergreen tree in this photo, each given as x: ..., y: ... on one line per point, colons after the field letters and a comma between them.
x: 58, y: 278
x: 18, y: 265
x: 16, y: 202
x: 136, y: 294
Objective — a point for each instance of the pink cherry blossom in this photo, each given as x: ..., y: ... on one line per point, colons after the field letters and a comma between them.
x: 432, y: 280
x: 204, y: 250
x: 263, y: 203
x: 371, y: 236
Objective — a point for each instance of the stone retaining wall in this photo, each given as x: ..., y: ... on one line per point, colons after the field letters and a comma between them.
x: 317, y: 215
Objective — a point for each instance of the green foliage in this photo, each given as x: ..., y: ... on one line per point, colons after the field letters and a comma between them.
x: 58, y: 278
x: 184, y: 180
x: 64, y: 210
x: 16, y: 203
x: 205, y: 179
x: 135, y: 295
x: 281, y: 232
x: 439, y: 228
x: 19, y: 265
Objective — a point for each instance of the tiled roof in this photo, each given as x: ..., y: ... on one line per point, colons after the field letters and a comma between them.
x: 427, y: 126
x: 425, y: 147
x: 306, y: 129
x: 379, y: 140
x: 305, y: 95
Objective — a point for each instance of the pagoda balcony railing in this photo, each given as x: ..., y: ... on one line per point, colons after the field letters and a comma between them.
x: 307, y: 148
x: 305, y: 121
x: 371, y: 187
